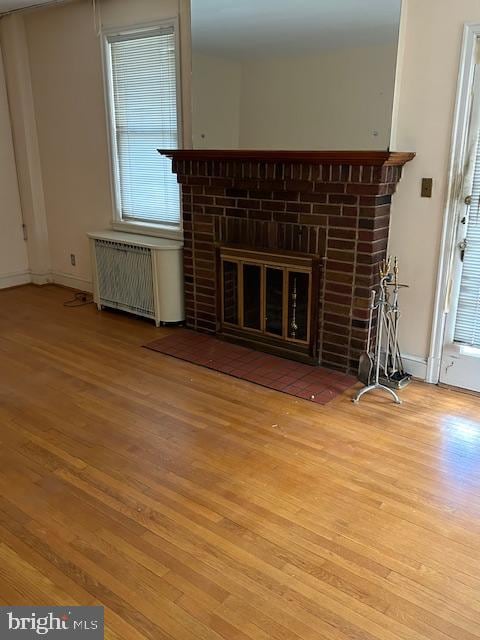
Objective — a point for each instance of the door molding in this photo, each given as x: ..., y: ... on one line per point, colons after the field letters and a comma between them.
x: 471, y: 33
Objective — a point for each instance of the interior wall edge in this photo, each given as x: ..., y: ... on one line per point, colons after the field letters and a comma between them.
x: 13, y: 250
x: 25, y: 139
x: 398, y: 74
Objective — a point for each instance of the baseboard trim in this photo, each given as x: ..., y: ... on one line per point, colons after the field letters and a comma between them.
x: 8, y: 280
x: 41, y: 278
x: 26, y: 277
x: 72, y: 282
x: 415, y: 365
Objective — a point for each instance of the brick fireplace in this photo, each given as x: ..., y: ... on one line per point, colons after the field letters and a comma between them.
x: 329, y: 208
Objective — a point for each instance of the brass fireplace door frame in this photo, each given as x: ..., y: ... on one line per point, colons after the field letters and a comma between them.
x: 288, y: 262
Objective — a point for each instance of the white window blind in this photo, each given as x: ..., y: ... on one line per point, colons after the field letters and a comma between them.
x: 143, y: 71
x: 467, y: 324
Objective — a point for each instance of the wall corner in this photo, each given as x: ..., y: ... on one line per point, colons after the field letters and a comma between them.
x: 25, y: 139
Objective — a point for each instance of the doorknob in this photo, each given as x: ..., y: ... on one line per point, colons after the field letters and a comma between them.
x: 462, y: 246
x: 468, y: 200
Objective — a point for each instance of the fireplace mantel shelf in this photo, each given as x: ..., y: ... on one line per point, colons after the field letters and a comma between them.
x: 370, y: 158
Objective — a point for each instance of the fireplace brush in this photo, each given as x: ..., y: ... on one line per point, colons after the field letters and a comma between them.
x: 381, y: 367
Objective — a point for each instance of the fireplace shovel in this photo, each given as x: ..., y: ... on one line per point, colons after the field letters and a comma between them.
x: 367, y: 358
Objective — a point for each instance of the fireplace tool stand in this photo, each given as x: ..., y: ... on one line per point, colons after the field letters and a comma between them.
x: 387, y: 319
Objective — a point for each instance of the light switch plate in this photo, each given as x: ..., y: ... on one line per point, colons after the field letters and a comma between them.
x: 427, y: 187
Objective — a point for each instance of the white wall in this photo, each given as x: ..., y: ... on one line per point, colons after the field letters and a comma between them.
x: 430, y: 44
x: 67, y: 86
x: 66, y: 71
x: 25, y: 137
x: 333, y: 100
x: 216, y: 86
x: 13, y: 252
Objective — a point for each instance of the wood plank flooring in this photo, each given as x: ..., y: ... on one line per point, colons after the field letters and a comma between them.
x: 194, y: 506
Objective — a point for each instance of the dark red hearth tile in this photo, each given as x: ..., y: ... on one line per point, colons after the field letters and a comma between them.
x: 316, y: 384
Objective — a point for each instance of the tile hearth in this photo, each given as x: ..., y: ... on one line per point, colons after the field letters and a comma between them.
x: 316, y: 384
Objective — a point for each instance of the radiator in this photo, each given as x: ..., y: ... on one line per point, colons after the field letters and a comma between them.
x: 138, y: 274
x: 125, y: 279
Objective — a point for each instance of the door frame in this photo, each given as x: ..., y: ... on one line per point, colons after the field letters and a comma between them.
x: 471, y: 33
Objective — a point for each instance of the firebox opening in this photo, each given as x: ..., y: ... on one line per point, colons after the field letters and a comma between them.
x: 270, y: 299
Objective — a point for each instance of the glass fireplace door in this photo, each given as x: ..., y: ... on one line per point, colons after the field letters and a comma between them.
x: 274, y: 300
x: 252, y: 289
x: 268, y: 299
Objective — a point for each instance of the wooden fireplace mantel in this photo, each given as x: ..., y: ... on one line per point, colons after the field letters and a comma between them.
x: 367, y: 158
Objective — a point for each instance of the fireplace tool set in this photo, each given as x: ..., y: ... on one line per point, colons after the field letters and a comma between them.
x: 381, y: 366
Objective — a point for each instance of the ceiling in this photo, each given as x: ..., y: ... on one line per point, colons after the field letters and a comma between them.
x: 10, y: 5
x: 260, y: 27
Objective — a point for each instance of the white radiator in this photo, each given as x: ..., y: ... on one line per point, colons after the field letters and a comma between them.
x: 138, y: 274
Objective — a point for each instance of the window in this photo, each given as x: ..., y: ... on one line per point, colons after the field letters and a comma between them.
x: 142, y: 74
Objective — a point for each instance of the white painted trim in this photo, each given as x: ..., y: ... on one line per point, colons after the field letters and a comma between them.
x: 41, y: 278
x: 159, y: 231
x: 27, y: 277
x: 14, y: 279
x: 111, y: 142
x: 433, y: 369
x: 152, y: 242
x: 458, y: 145
x: 415, y: 365
x: 67, y: 280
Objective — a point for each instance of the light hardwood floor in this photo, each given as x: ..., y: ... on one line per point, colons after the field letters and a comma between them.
x: 195, y: 506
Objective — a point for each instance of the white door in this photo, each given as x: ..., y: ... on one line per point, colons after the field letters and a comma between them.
x: 461, y: 352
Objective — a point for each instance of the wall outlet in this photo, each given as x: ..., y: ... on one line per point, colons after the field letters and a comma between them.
x: 73, y: 260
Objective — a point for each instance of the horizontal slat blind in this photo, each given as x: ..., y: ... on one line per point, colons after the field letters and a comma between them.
x: 467, y: 325
x: 144, y: 87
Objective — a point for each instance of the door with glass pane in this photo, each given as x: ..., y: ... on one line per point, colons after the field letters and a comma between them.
x: 461, y: 353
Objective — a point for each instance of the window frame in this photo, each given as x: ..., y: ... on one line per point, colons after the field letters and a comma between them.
x: 136, y: 226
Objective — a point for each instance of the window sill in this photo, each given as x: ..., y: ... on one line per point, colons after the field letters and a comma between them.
x: 157, y: 230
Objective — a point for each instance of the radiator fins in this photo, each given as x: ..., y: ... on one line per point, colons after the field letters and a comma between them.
x: 125, y: 279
